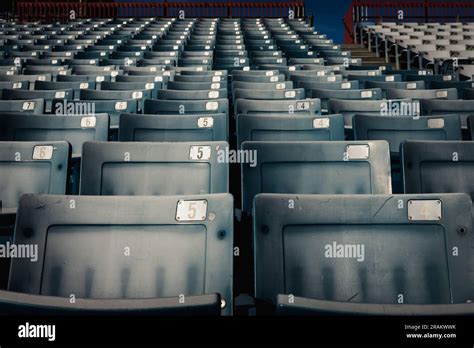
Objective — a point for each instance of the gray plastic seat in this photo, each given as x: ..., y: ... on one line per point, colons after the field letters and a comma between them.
x: 48, y: 96
x: 347, y: 94
x: 34, y: 106
x: 308, y: 86
x: 449, y: 93
x: 399, y: 107
x: 184, y: 107
x: 380, y: 249
x: 74, y: 129
x: 463, y: 108
x: 32, y: 167
x: 283, y: 107
x: 178, y: 252
x: 438, y: 166
x: 296, y: 94
x: 151, y: 88
x: 395, y: 129
x: 89, y: 107
x: 171, y: 94
x: 461, y: 86
x: 289, y: 128
x: 145, y: 168
x: 172, y: 128
x: 318, y: 167
x: 76, y: 87
x: 193, y: 86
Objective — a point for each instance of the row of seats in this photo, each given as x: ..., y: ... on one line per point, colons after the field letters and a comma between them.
x: 132, y: 168
x: 432, y: 44
x: 273, y: 132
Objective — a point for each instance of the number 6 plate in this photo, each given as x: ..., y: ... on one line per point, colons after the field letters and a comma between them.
x: 191, y: 210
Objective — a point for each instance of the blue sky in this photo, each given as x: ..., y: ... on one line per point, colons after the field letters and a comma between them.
x: 328, y: 15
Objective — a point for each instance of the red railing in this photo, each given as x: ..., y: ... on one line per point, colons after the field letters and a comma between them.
x: 53, y: 11
x: 412, y: 11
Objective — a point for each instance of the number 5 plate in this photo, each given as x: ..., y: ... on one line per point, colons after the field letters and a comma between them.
x: 191, y: 210
x: 198, y: 152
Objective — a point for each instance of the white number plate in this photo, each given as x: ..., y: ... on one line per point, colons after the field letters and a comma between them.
x: 42, y: 152
x: 191, y: 210
x: 198, y: 152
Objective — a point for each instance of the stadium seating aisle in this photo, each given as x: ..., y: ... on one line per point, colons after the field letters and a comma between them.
x: 142, y: 144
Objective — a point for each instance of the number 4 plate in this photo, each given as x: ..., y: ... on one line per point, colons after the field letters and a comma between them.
x: 191, y: 210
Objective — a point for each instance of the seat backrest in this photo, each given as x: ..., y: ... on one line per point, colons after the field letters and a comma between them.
x: 33, y: 106
x: 347, y: 94
x: 184, y: 107
x: 346, y: 248
x: 439, y: 107
x: 298, y: 94
x: 193, y: 86
x: 448, y: 93
x: 74, y: 129
x: 170, y: 128
x: 289, y: 128
x: 145, y: 168
x: 438, y: 166
x: 395, y: 129
x: 285, y: 107
x: 319, y: 167
x: 180, y: 248
x: 399, y: 107
x: 32, y: 167
x: 90, y: 107
x: 171, y: 94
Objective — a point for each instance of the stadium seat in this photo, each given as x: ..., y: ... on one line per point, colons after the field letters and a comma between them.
x: 395, y: 129
x: 32, y: 167
x: 74, y: 129
x: 297, y: 94
x: 144, y: 168
x: 182, y: 251
x: 347, y: 94
x: 170, y: 94
x: 322, y: 167
x: 400, y: 107
x: 33, y: 106
x: 169, y: 128
x: 184, y: 107
x: 90, y: 107
x: 449, y: 93
x: 438, y: 166
x: 354, y: 248
x: 443, y: 107
x: 76, y: 87
x: 283, y: 107
x: 289, y: 128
